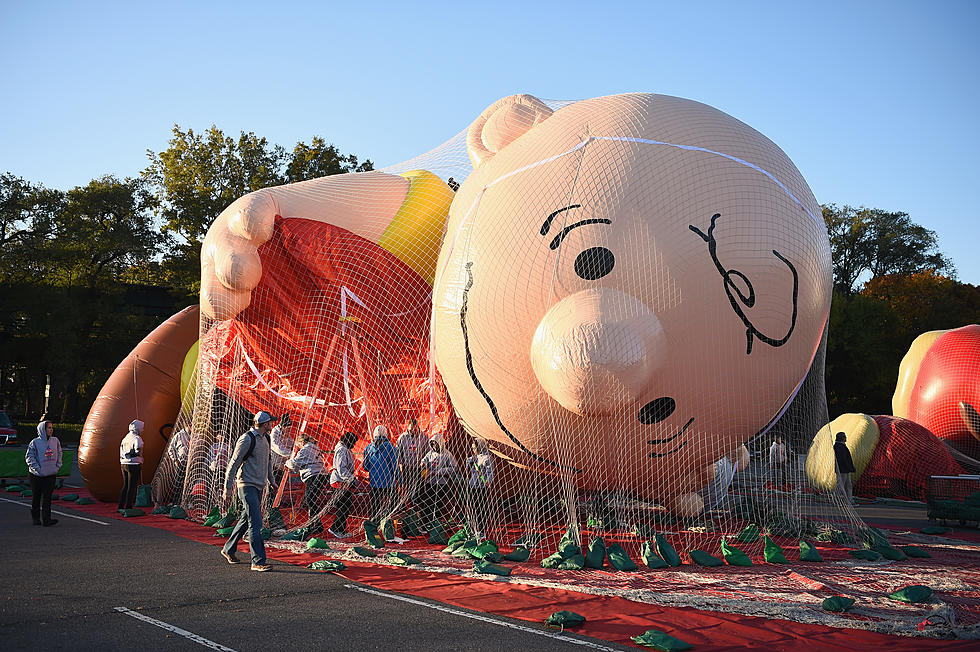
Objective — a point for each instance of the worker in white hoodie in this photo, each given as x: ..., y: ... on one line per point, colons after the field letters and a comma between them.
x: 43, y: 461
x: 131, y: 463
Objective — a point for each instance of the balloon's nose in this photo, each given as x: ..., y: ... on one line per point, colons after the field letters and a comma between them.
x: 598, y: 350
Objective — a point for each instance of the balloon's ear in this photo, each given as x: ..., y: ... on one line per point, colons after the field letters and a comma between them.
x: 501, y: 123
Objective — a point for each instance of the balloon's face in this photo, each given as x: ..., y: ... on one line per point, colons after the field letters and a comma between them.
x: 615, y: 306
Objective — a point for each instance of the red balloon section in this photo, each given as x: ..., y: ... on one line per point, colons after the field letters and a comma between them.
x: 948, y: 377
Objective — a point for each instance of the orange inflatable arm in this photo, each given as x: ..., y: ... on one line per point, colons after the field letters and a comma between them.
x: 147, y: 381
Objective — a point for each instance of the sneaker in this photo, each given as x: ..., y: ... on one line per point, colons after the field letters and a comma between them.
x: 230, y: 556
x: 53, y: 521
x: 339, y: 535
x: 261, y: 567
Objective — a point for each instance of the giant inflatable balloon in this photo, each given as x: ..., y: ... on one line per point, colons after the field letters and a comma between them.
x: 630, y: 288
x: 939, y: 386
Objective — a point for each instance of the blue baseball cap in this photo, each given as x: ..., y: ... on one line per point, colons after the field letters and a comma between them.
x: 263, y: 417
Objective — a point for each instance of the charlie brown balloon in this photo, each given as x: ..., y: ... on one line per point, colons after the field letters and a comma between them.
x: 630, y: 288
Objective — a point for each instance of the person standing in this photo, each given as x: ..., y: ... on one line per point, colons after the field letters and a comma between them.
x: 480, y: 468
x: 381, y: 463
x: 308, y: 463
x: 342, y: 479
x: 249, y: 471
x: 777, y: 461
x: 131, y: 463
x: 440, y: 470
x: 412, y: 447
x: 845, y: 467
x: 177, y: 449
x: 43, y: 462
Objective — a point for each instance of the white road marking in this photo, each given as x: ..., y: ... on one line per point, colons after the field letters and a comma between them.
x: 176, y: 630
x: 486, y: 619
x: 54, y: 511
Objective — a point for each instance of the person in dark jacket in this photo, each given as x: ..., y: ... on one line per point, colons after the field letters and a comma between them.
x: 845, y: 466
x: 43, y: 461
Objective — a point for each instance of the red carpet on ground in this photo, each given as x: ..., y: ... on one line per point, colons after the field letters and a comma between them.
x: 610, y: 618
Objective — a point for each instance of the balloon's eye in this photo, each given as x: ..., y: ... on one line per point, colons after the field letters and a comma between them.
x: 594, y: 263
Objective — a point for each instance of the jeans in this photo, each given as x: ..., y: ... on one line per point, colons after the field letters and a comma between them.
x: 131, y: 480
x: 845, y: 486
x: 314, y: 493
x: 251, y: 519
x: 382, y: 500
x: 41, y: 489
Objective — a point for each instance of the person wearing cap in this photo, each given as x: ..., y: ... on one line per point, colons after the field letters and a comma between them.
x: 249, y: 471
x: 381, y: 463
x: 440, y: 469
x: 845, y: 467
x: 308, y: 462
x: 43, y: 461
x: 131, y: 463
x: 342, y: 479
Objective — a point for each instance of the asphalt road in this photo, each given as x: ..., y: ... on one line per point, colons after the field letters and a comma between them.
x: 62, y: 588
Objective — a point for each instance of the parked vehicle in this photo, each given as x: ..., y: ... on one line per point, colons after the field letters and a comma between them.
x: 8, y: 434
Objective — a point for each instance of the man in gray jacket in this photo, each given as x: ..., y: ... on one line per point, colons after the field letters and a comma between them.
x: 249, y: 470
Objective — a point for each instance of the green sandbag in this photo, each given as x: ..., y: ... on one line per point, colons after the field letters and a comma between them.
x: 143, y: 496
x: 452, y: 547
x: 915, y: 551
x: 388, y: 529
x: 130, y: 513
x: 295, y: 535
x: 484, y: 548
x: 159, y: 509
x: 410, y: 526
x: 658, y: 640
x: 176, y: 513
x: 701, y: 558
x: 553, y: 561
x: 867, y: 555
x: 596, y: 555
x: 265, y: 533
x: 809, y: 552
x: 772, y: 552
x: 488, y: 568
x: 567, y: 547
x: 84, y: 500
x: 837, y: 603
x: 520, y: 553
x: 493, y: 556
x: 213, y: 517
x: 402, y: 559
x: 618, y: 558
x: 54, y: 496
x: 564, y: 619
x: 437, y: 534
x: 373, y: 535
x: 650, y: 558
x: 227, y: 520
x: 70, y: 497
x: 667, y: 552
x: 733, y: 556
x: 891, y: 553
x: 319, y: 544
x: 934, y: 529
x: 16, y: 487
x: 463, y: 552
x: 575, y: 562
x: 913, y: 593
x: 224, y: 532
x: 364, y: 552
x: 749, y: 535
x: 462, y: 534
x: 275, y: 520
x: 329, y: 565
x: 27, y: 493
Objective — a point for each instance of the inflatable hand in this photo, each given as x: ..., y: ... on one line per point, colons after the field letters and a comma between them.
x: 893, y: 457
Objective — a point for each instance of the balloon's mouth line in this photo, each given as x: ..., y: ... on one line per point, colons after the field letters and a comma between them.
x: 655, y: 442
x: 479, y: 386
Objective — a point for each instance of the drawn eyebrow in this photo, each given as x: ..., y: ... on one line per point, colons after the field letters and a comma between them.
x: 547, y: 223
x: 561, y: 236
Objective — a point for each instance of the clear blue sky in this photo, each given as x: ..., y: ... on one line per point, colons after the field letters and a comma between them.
x: 877, y: 103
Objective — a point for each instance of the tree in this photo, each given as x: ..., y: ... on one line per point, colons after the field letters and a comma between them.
x: 877, y: 242
x: 320, y: 160
x: 926, y: 301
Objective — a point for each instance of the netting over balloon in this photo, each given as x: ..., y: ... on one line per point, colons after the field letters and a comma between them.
x: 602, y: 312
